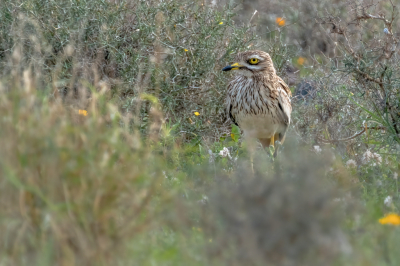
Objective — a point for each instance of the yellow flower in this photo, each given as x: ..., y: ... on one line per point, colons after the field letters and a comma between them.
x: 391, y: 218
x: 301, y: 60
x: 280, y: 22
x: 196, y: 113
x: 186, y: 50
x: 232, y: 136
x: 82, y: 112
x: 221, y: 23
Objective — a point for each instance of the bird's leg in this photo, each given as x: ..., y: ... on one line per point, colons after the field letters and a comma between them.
x: 266, y: 143
x: 276, y: 137
x: 272, y: 150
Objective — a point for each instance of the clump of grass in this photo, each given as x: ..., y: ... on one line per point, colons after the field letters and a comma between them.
x: 172, y: 49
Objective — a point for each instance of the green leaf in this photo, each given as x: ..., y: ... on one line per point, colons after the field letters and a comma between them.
x: 235, y: 133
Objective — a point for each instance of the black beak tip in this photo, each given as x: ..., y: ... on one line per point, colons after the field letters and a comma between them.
x: 227, y: 68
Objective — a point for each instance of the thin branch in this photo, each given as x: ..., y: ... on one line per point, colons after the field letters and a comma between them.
x: 331, y: 141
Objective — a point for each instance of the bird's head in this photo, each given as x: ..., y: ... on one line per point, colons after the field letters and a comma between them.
x: 251, y: 63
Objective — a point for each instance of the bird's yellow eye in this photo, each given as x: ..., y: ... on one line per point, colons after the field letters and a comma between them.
x: 254, y: 61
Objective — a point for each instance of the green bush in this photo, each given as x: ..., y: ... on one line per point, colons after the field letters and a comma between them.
x: 171, y: 49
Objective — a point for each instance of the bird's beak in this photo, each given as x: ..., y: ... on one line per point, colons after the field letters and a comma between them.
x: 234, y: 66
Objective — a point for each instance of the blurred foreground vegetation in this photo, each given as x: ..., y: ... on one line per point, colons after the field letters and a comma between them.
x: 115, y: 149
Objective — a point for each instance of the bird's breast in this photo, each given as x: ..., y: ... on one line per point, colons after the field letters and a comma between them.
x: 248, y: 96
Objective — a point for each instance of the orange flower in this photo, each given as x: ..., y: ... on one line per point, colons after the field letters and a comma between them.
x: 82, y: 112
x: 301, y: 60
x: 280, y: 22
x: 391, y: 218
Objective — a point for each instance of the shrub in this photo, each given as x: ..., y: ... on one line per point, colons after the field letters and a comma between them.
x: 283, y: 215
x: 173, y: 50
x: 76, y: 187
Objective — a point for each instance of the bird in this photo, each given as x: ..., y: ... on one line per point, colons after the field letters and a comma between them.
x: 258, y: 100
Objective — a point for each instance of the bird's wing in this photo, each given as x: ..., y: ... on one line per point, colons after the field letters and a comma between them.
x: 284, y: 103
x: 228, y: 105
x: 231, y: 115
x: 285, y: 86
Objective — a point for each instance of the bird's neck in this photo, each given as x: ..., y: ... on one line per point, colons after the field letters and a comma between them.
x: 268, y: 75
x: 262, y: 75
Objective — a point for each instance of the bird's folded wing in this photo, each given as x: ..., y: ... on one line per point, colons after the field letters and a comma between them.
x: 228, y: 104
x: 231, y: 116
x: 285, y: 106
x: 285, y: 87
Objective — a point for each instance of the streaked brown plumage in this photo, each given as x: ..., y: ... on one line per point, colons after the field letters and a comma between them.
x: 258, y: 100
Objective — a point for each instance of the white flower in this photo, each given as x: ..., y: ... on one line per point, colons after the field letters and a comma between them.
x: 351, y: 164
x: 204, y: 200
x: 395, y: 175
x: 386, y: 31
x: 369, y: 156
x: 224, y: 152
x: 317, y: 149
x: 388, y: 201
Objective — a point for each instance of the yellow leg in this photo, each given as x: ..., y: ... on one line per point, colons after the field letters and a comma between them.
x: 267, y: 142
x: 276, y: 138
x: 271, y: 141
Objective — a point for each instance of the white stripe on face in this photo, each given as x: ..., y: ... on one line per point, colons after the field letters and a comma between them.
x: 256, y: 56
x: 253, y: 67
